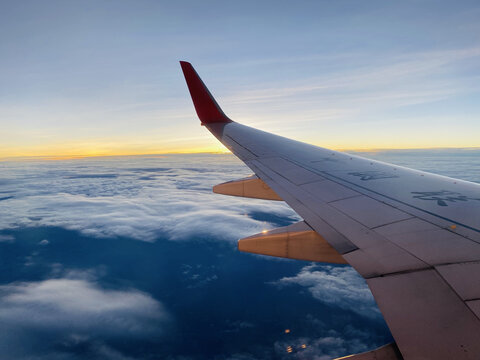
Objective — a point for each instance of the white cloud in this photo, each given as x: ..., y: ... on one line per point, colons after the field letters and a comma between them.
x: 80, y: 306
x: 139, y: 197
x: 74, y: 317
x: 336, y: 286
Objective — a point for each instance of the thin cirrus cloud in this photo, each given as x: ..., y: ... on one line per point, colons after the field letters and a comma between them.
x: 357, y: 106
x: 393, y: 80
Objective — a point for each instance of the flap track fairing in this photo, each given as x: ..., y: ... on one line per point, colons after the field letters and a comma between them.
x: 249, y: 187
x: 297, y: 241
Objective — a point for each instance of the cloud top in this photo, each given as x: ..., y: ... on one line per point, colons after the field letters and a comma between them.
x: 165, y: 197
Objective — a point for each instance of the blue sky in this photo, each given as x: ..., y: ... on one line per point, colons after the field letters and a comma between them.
x: 102, y: 77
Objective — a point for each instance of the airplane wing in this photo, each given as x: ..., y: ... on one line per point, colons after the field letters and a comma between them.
x: 414, y: 236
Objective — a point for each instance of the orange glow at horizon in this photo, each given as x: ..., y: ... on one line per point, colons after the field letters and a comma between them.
x: 80, y: 153
x: 124, y: 146
x: 89, y: 153
x: 99, y: 149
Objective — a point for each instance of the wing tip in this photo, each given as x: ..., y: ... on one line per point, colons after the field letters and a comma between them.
x: 184, y: 64
x: 207, y: 109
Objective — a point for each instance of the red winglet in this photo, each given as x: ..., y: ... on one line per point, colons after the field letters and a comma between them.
x: 207, y: 108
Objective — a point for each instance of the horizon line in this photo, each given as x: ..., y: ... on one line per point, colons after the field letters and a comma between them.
x: 84, y: 156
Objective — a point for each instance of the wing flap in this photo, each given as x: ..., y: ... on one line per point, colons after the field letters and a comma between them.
x: 428, y: 320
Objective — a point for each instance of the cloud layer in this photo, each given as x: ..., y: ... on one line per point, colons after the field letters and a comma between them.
x: 164, y: 197
x: 150, y: 297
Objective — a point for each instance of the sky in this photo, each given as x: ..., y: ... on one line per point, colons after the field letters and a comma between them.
x: 102, y: 77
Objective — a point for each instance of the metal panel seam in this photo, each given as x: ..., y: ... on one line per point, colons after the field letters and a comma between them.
x: 456, y: 293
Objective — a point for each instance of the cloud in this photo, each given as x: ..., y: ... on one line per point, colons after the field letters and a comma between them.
x: 63, y: 315
x: 138, y: 197
x: 78, y: 305
x: 7, y: 238
x: 374, y: 89
x: 327, y: 345
x: 74, y: 315
x: 392, y: 79
x: 338, y: 286
x: 198, y: 276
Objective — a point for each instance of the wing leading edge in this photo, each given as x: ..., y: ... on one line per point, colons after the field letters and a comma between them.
x: 414, y: 236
